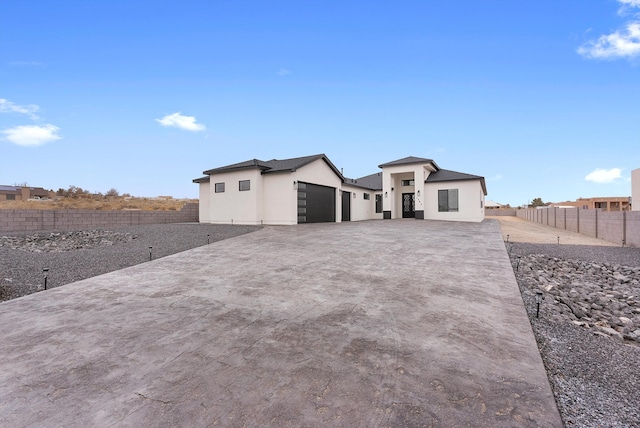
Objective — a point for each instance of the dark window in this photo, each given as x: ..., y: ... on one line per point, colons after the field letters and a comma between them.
x: 366, y: 196
x: 378, y: 204
x: 408, y: 182
x: 11, y: 197
x: 245, y: 185
x: 219, y: 187
x: 448, y: 200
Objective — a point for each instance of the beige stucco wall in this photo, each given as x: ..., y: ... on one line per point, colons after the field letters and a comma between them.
x: 204, y: 199
x: 232, y: 205
x: 361, y: 208
x: 392, y: 179
x: 635, y: 189
x: 281, y: 196
x: 470, y: 201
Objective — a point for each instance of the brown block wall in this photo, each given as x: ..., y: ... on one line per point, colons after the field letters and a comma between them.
x: 31, y: 220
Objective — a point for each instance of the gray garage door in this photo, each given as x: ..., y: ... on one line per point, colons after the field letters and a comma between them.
x: 316, y: 204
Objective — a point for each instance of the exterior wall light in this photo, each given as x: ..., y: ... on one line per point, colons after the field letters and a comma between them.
x: 392, y: 189
x: 354, y: 195
x: 386, y: 195
x: 295, y: 185
x: 418, y: 193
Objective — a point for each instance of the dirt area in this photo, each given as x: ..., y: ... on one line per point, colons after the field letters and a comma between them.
x: 519, y: 230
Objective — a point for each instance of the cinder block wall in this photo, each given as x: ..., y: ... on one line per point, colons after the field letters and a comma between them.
x: 26, y: 220
x: 560, y: 218
x: 571, y: 219
x: 611, y: 226
x: 633, y: 229
x: 497, y: 213
x: 588, y: 222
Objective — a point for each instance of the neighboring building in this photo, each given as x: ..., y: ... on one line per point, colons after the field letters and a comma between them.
x: 21, y: 193
x: 614, y: 203
x: 310, y: 189
x: 490, y: 205
x: 635, y: 189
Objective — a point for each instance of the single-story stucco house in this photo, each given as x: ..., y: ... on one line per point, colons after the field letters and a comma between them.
x: 311, y: 189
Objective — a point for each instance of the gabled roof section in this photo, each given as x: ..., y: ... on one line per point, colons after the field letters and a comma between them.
x: 371, y: 182
x: 253, y: 163
x: 409, y: 160
x: 273, y: 165
x: 447, y: 175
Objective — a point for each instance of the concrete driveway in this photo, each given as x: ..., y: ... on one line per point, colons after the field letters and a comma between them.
x: 378, y: 323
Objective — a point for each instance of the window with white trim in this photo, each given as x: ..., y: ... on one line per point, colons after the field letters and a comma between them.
x: 448, y: 200
x: 219, y: 187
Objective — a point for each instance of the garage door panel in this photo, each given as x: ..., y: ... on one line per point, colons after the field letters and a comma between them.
x: 316, y: 204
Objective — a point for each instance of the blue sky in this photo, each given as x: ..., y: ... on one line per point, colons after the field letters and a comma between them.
x: 542, y: 98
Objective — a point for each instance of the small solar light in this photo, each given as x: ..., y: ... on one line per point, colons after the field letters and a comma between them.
x: 45, y: 271
x: 539, y: 298
x: 507, y: 238
x: 518, y: 263
x: 150, y: 248
x: 558, y: 240
x: 208, y: 239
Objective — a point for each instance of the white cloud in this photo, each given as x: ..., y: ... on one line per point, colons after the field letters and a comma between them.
x: 7, y: 106
x: 177, y: 120
x: 619, y: 44
x: 630, y: 3
x: 622, y: 43
x: 604, y: 175
x: 32, y: 135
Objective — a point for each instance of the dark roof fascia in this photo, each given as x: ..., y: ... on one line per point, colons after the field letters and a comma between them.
x: 366, y: 182
x: 354, y: 183
x: 251, y: 164
x: 409, y: 161
x: 457, y: 176
x: 202, y: 179
x: 307, y: 160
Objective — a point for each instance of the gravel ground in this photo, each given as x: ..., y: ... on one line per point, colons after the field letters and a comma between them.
x: 21, y: 268
x: 595, y: 379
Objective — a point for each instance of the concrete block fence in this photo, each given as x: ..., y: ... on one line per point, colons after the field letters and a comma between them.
x: 28, y: 220
x: 620, y: 227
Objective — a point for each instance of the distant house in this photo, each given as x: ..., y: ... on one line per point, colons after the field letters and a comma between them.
x: 609, y: 203
x: 490, y: 205
x: 311, y: 189
x: 21, y: 193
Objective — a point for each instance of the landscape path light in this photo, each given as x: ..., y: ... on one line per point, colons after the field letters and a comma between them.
x: 208, y: 239
x: 150, y: 248
x: 517, y: 263
x: 539, y: 298
x: 45, y: 271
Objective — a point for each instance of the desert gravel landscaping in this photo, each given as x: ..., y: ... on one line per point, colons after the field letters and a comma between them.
x: 588, y: 329
x: 75, y: 255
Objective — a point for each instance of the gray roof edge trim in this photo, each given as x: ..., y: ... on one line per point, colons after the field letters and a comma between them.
x: 231, y: 169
